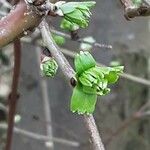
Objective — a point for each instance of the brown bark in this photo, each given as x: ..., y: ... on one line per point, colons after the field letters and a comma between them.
x: 17, y: 22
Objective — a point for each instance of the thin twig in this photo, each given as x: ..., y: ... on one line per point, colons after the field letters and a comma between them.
x: 94, y: 133
x: 3, y: 107
x: 13, y: 95
x: 80, y: 40
x: 69, y: 73
x: 40, y: 137
x: 46, y: 103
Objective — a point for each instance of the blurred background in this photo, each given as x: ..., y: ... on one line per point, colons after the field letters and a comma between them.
x: 122, y: 117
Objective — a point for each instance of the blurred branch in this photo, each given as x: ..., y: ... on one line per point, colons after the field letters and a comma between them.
x: 12, y: 99
x: 6, y: 4
x: 3, y: 107
x: 135, y: 116
x: 69, y: 73
x: 131, y: 11
x: 80, y: 40
x: 41, y: 137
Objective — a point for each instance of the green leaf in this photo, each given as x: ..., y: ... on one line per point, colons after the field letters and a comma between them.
x: 77, y: 17
x: 118, y: 69
x: 89, y: 90
x: 112, y: 77
x: 81, y: 102
x: 67, y: 8
x: 85, y: 81
x: 67, y: 25
x: 58, y: 39
x: 83, y: 61
x: 70, y: 6
x: 77, y: 13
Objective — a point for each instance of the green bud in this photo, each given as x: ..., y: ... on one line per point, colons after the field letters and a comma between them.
x: 76, y: 13
x: 49, y: 67
x: 83, y: 62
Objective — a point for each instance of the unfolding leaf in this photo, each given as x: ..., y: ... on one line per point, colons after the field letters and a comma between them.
x: 76, y: 13
x: 83, y: 61
x: 65, y: 24
x: 112, y: 77
x: 58, y: 39
x: 82, y: 102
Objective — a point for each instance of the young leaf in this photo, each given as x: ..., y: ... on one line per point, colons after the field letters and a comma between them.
x: 81, y: 102
x: 83, y: 61
x: 77, y: 13
x: 65, y: 24
x: 58, y: 39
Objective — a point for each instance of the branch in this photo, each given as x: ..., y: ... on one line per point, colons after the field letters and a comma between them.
x: 61, y: 60
x: 40, y: 137
x: 13, y: 95
x: 80, y: 40
x: 94, y: 133
x: 69, y: 73
x: 17, y: 22
x: 131, y: 11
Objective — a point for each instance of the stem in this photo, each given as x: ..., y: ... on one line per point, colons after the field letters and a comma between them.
x: 13, y: 96
x: 81, y: 40
x: 19, y: 20
x: 69, y: 73
x: 94, y: 133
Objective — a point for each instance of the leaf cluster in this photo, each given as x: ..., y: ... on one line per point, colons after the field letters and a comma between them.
x: 76, y: 14
x: 92, y: 81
